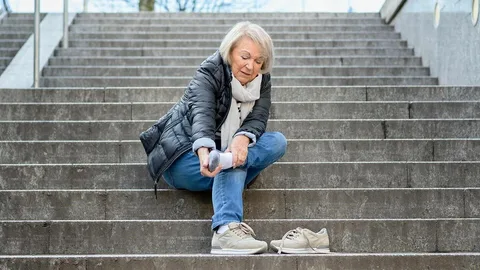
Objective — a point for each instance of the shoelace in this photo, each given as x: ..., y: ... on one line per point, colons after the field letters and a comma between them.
x: 293, y: 234
x: 243, y: 230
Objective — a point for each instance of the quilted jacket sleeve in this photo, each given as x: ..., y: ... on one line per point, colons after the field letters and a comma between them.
x: 201, y: 95
x: 256, y: 121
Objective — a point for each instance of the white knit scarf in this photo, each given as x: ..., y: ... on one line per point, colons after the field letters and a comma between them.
x: 247, y: 95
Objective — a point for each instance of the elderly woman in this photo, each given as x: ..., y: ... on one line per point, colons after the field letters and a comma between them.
x: 225, y: 106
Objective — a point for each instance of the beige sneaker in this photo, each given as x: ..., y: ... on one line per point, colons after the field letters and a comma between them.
x: 302, y: 240
x: 237, y: 239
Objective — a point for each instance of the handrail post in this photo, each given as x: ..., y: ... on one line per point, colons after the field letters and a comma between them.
x: 6, y: 5
x: 36, y: 53
x: 85, y: 6
x: 65, y: 24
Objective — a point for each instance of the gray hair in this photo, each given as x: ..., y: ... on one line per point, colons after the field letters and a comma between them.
x: 257, y: 34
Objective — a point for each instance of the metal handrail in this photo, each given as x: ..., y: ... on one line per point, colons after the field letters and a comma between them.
x: 36, y: 50
x: 65, y: 24
x: 6, y: 6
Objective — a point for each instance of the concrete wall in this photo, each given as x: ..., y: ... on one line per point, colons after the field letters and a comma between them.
x: 452, y: 50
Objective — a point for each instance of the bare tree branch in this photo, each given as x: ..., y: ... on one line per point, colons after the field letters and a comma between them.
x: 198, y: 5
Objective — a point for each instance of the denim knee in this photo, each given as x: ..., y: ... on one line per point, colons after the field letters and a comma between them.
x: 279, y: 143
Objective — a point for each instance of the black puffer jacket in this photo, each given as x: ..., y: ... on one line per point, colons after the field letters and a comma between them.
x: 199, y: 114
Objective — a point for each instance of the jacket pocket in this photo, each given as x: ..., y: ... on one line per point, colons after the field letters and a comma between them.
x: 150, y: 137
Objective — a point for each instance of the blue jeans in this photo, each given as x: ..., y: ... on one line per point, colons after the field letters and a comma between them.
x: 228, y: 185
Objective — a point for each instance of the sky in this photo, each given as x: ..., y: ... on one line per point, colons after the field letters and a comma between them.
x: 271, y: 6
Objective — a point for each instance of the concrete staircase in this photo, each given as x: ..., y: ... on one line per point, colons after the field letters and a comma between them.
x: 15, y: 29
x: 378, y: 154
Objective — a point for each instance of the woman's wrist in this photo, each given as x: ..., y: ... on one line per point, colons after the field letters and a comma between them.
x: 202, y: 151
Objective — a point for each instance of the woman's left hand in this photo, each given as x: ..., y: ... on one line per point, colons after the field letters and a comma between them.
x: 239, y: 150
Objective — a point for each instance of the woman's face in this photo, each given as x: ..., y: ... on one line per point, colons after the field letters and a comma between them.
x: 246, y: 60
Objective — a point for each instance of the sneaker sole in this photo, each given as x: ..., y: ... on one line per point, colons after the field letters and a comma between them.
x: 302, y: 250
x: 226, y: 251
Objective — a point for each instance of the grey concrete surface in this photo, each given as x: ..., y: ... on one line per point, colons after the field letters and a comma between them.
x: 279, y: 71
x: 279, y: 93
x: 209, y: 35
x: 462, y: 109
x: 14, y: 35
x: 12, y: 43
x: 444, y: 128
x: 453, y: 49
x: 73, y: 81
x: 331, y: 61
x: 236, y: 15
x: 132, y: 71
x: 458, y: 235
x: 224, y: 28
x: 459, y: 150
x: 34, y: 152
x: 154, y: 237
x: 293, y: 129
x: 357, y: 177
x: 28, y: 27
x: 19, y: 74
x: 439, y: 174
x: 279, y: 110
x: 443, y: 261
x: 205, y: 52
x: 130, y: 130
x: 226, y: 21
x: 423, y: 93
x: 258, y: 204
x: 4, y: 61
x: 154, y: 110
x: 174, y: 43
x: 6, y: 52
x: 280, y: 175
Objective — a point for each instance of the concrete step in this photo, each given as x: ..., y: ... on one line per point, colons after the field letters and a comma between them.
x: 2, y: 69
x: 10, y: 53
x: 84, y: 27
x: 17, y: 35
x: 205, y: 52
x: 194, y: 62
x: 279, y: 110
x: 348, y: 261
x: 17, y: 21
x: 258, y: 204
x: 400, y: 174
x: 24, y: 15
x: 294, y: 70
x: 422, y: 93
x: 226, y: 21
x: 194, y: 236
x: 313, y: 150
x: 125, y: 35
x: 239, y: 15
x: 4, y: 61
x: 293, y: 129
x: 129, y: 130
x: 17, y: 27
x: 121, y: 62
x: 187, y: 43
x: 12, y: 43
x: 279, y: 93
x: 73, y: 81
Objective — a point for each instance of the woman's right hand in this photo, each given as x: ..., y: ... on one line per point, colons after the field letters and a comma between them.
x: 202, y: 153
